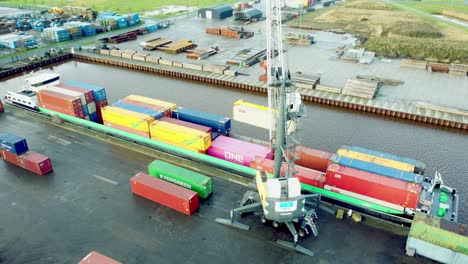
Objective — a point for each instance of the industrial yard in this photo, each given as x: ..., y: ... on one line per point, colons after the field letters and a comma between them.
x: 123, y: 116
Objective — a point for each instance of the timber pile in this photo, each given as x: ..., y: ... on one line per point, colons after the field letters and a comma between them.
x: 361, y: 88
x: 300, y: 39
x: 153, y: 44
x: 438, y: 67
x: 200, y: 54
x: 248, y: 57
x: 458, y: 69
x: 330, y: 89
x: 140, y: 56
x: 178, y: 46
x: 304, y: 80
x: 128, y: 54
x: 442, y: 109
x: 416, y: 64
x: 215, y: 68
x: 230, y: 32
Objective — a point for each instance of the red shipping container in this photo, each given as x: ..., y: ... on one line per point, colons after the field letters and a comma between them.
x: 313, y: 158
x: 166, y: 111
x: 60, y: 100
x: 77, y: 112
x: 127, y: 129
x: 99, y: 106
x: 372, y: 185
x: 165, y: 193
x: 89, y: 95
x: 187, y: 124
x: 36, y: 163
x: 1, y: 107
x: 305, y: 175
x: 10, y: 157
x: 97, y: 258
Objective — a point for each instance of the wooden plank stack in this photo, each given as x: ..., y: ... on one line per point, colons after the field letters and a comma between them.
x: 458, y: 69
x: 213, y: 31
x: 200, y: 54
x: 438, y: 67
x: 416, y: 64
x: 300, y: 39
x: 230, y: 32
x: 330, y: 89
x: 361, y: 88
x: 153, y: 44
x: 178, y: 46
x: 304, y: 80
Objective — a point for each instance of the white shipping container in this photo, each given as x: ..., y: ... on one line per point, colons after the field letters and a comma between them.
x: 255, y: 115
x: 68, y: 92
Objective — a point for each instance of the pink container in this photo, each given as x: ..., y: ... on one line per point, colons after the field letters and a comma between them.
x: 238, y: 151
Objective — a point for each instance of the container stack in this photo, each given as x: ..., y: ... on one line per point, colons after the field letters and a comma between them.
x: 230, y: 32
x: 361, y: 88
x: 218, y: 124
x: 132, y: 19
x: 56, y: 34
x: 99, y: 94
x: 126, y: 120
x: 238, y: 151
x: 165, y: 193
x: 165, y: 107
x: 75, y: 31
x: 380, y: 178
x: 60, y: 102
x: 87, y: 29
x: 15, y: 150
x: 188, y: 179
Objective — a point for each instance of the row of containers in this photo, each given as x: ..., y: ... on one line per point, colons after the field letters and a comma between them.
x: 69, y: 31
x: 113, y: 21
x: 172, y: 186
x: 14, y: 149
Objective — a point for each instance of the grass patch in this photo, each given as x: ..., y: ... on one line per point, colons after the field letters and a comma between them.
x: 168, y: 15
x: 435, y: 8
x: 120, y: 6
x: 369, y: 5
x: 414, y: 29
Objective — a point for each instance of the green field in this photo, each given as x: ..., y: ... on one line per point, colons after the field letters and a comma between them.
x: 122, y: 6
x: 436, y: 6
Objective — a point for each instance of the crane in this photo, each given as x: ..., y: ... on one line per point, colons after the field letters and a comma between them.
x: 278, y: 197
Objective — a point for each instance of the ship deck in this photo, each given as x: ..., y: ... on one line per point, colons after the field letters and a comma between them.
x: 86, y: 204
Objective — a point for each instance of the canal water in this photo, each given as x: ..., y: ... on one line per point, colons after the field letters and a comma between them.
x: 327, y: 128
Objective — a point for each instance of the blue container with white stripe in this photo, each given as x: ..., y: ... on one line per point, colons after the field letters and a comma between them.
x: 217, y: 123
x: 420, y: 166
x: 377, y: 169
x: 13, y: 144
x: 99, y: 92
x: 139, y: 109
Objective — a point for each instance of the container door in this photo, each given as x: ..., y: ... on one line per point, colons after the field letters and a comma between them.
x: 209, y: 14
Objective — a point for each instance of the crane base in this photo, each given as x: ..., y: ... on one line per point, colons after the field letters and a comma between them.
x: 232, y: 223
x: 297, y: 248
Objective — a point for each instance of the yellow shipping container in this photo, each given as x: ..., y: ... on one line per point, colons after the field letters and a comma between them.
x: 180, y: 136
x: 152, y: 101
x: 376, y: 160
x: 119, y: 116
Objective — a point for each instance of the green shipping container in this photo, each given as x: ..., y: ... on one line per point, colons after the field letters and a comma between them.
x: 197, y: 182
x: 440, y: 232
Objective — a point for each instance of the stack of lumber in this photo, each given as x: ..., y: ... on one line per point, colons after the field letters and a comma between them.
x: 458, y: 69
x: 438, y: 67
x: 248, y: 57
x: 128, y: 54
x: 300, y: 39
x: 230, y: 32
x: 416, y: 64
x: 153, y: 44
x: 200, y: 54
x: 213, y: 31
x: 215, y: 68
x: 178, y: 46
x: 304, y: 80
x: 361, y: 88
x: 330, y: 89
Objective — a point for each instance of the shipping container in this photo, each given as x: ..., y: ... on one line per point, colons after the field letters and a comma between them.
x: 77, y: 112
x: 379, y: 187
x: 376, y: 160
x: 89, y: 95
x: 12, y: 143
x: 96, y: 258
x: 138, y: 109
x: 152, y: 101
x: 166, y: 130
x: 68, y: 92
x: 127, y: 129
x: 305, y: 175
x: 166, y: 111
x: 378, y: 169
x: 218, y: 123
x: 205, y: 129
x: 420, y: 167
x: 238, y: 151
x: 252, y: 114
x: 98, y: 92
x: 313, y: 158
x: 165, y: 193
x: 60, y: 100
x: 188, y: 179
x: 36, y: 163
x: 10, y: 157
x: 127, y: 118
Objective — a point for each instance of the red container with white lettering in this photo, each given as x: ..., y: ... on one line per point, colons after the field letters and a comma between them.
x: 238, y: 151
x: 165, y: 193
x: 97, y: 258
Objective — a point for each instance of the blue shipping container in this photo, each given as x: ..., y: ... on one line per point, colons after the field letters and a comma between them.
x: 94, y: 117
x: 377, y: 169
x: 421, y: 167
x: 99, y: 92
x: 13, y: 144
x: 142, y: 110
x: 218, y: 123
x: 85, y: 110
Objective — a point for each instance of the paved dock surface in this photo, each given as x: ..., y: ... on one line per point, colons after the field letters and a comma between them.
x: 86, y: 204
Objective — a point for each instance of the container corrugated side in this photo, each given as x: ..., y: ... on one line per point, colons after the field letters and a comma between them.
x: 127, y: 118
x: 421, y: 167
x: 181, y: 136
x: 10, y: 157
x: 313, y: 158
x: 138, y: 109
x: 152, y: 101
x: 378, y: 169
x: 166, y: 111
x: 13, y: 143
x: 188, y: 179
x: 205, y: 129
x: 36, y: 163
x: 98, y: 92
x: 58, y: 99
x: 376, y: 160
x: 88, y: 93
x: 218, y: 123
x: 68, y: 92
x: 440, y: 232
